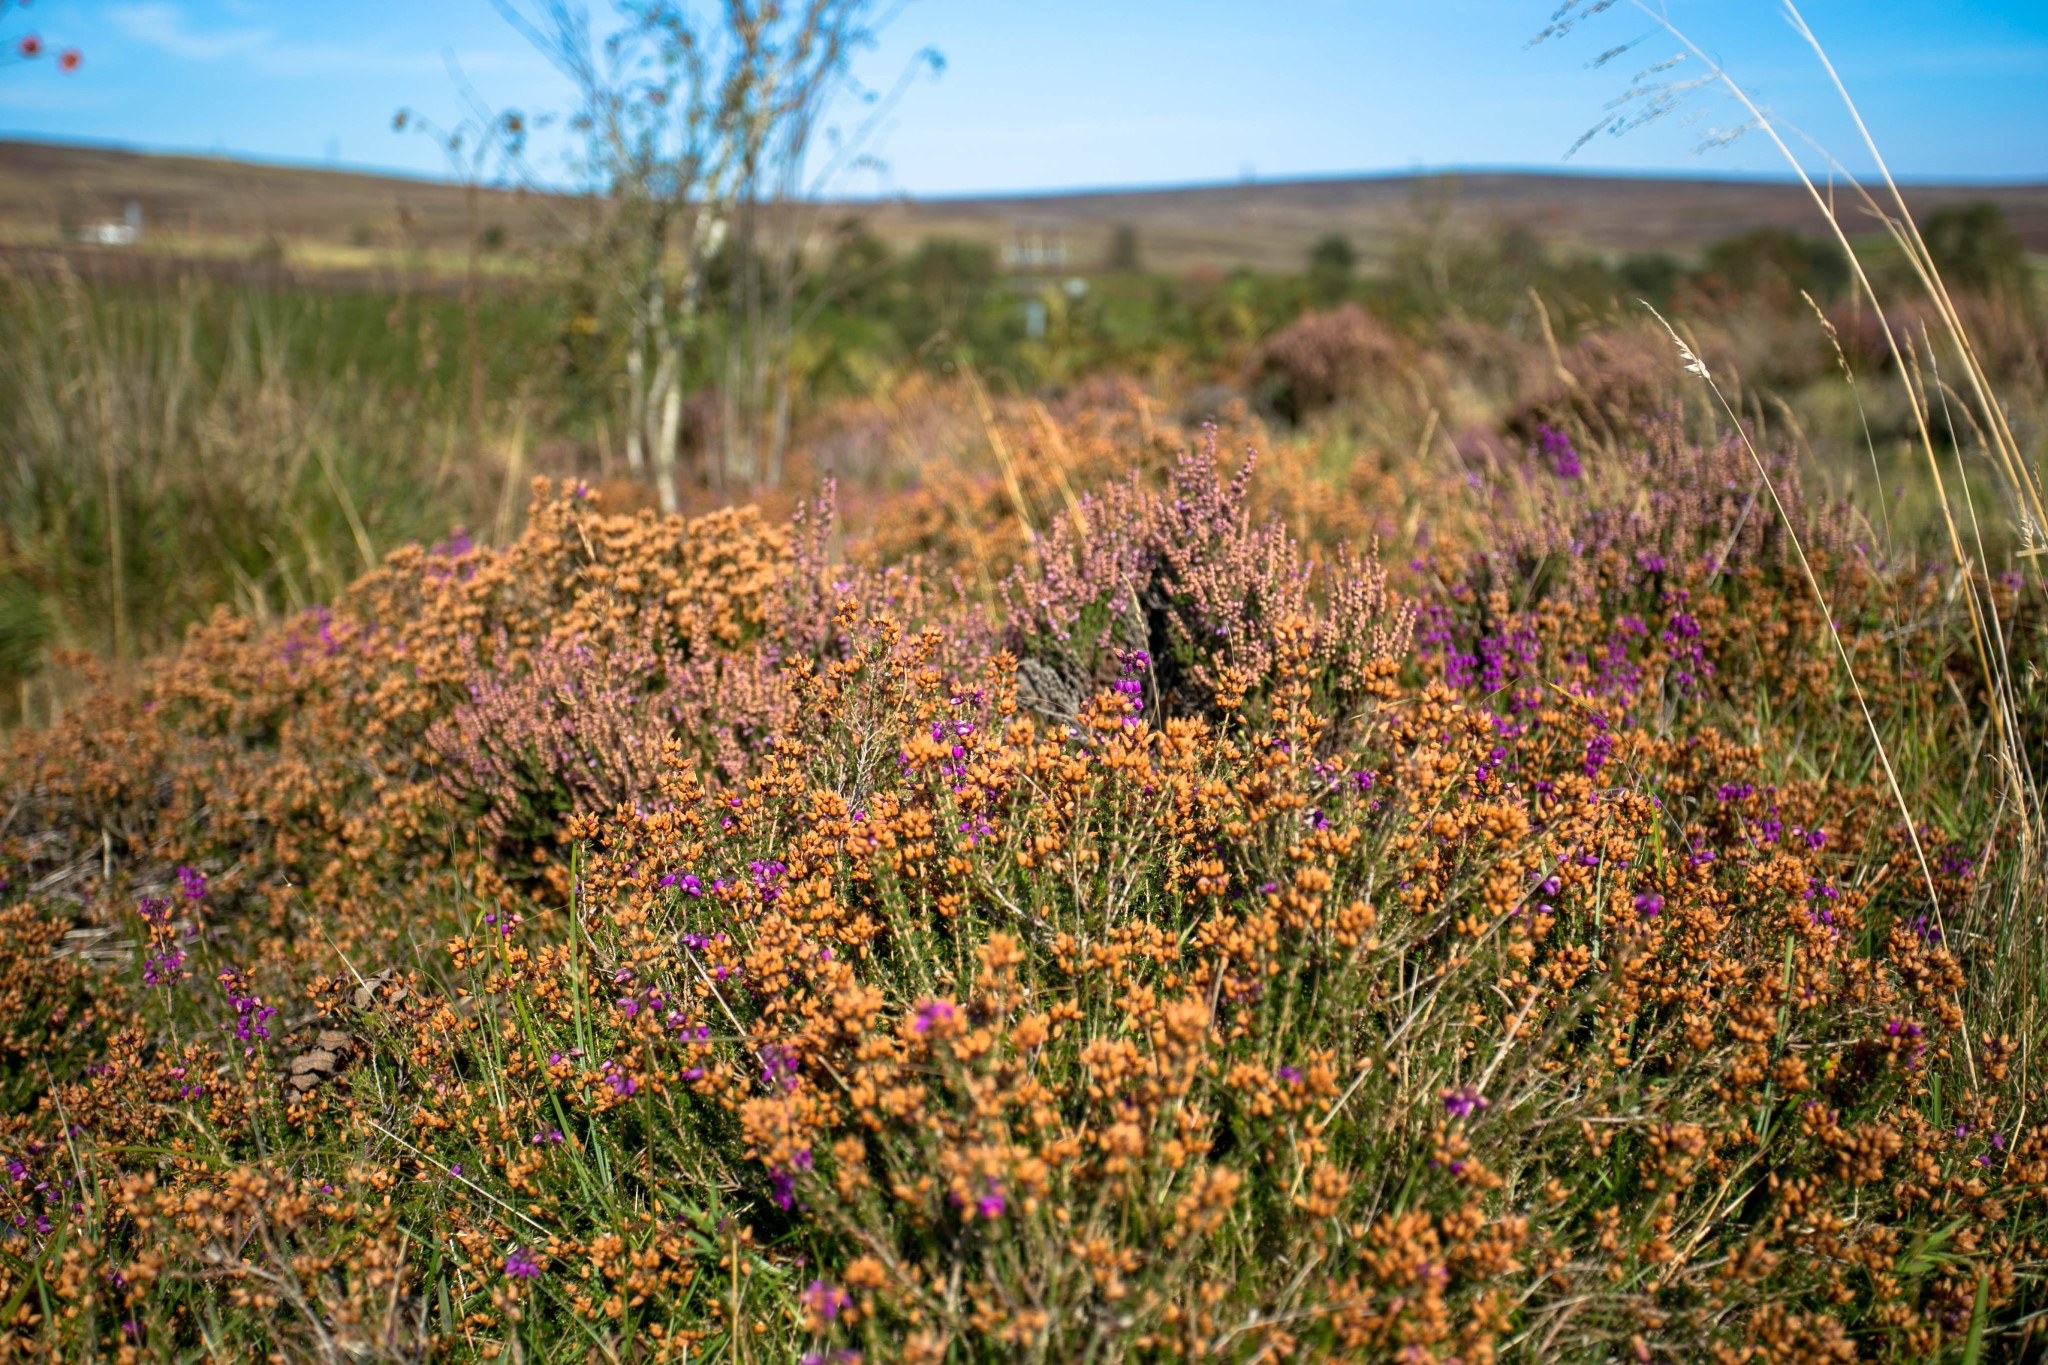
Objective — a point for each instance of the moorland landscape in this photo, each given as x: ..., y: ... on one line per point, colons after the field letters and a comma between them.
x: 1440, y: 769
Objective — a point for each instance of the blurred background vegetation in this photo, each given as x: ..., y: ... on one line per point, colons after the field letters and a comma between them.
x: 197, y: 419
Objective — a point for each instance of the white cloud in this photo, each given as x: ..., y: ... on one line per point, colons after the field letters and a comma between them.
x: 163, y: 26
x: 166, y: 27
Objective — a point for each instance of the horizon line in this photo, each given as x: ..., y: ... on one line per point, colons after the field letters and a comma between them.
x: 1337, y: 177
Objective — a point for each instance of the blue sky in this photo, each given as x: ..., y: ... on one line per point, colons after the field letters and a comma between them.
x: 1070, y: 93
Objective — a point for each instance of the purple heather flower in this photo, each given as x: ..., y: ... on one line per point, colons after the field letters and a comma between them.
x: 990, y: 1205
x: 779, y: 1067
x: 251, y: 1014
x: 520, y: 1265
x: 1287, y: 1074
x: 1563, y: 455
x: 825, y: 1302
x: 192, y: 881
x: 1463, y: 1102
x: 932, y: 1013
x: 1649, y: 904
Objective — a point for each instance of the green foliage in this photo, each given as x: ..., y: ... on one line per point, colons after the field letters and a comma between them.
x: 169, y: 451
x: 1331, y: 262
x: 1488, y: 278
x: 1976, y: 251
x: 1652, y: 275
x: 947, y: 286
x: 1774, y: 266
x: 1122, y: 256
x: 172, y: 447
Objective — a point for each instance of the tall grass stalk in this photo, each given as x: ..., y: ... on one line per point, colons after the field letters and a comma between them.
x: 171, y: 448
x: 2013, y: 975
x: 2003, y: 446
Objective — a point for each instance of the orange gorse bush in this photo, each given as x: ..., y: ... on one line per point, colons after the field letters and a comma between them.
x: 1103, y: 917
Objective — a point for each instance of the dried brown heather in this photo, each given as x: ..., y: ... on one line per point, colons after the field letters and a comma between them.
x: 658, y: 939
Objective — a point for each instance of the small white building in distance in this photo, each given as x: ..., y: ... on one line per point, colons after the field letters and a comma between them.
x: 127, y: 232
x: 1035, y: 250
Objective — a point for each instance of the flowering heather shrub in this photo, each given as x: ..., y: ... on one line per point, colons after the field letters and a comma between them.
x: 963, y: 520
x: 1321, y: 358
x: 570, y: 726
x: 311, y: 766
x: 1611, y: 380
x: 1660, y: 519
x: 2006, y: 334
x: 657, y: 940
x: 1201, y: 590
x: 1661, y: 572
x: 1485, y: 358
x: 52, y: 1016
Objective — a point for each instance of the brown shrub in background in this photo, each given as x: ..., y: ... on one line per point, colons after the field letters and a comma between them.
x: 1320, y: 359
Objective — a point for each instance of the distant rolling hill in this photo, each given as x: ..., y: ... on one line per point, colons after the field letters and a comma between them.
x: 321, y: 215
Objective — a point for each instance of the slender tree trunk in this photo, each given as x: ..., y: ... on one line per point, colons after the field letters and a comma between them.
x: 729, y: 434
x: 636, y: 397
x: 669, y: 385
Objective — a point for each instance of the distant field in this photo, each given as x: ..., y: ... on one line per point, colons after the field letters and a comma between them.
x: 349, y: 221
